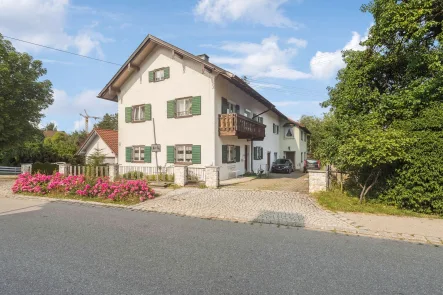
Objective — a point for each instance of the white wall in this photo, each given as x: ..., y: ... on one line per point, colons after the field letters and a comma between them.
x: 98, y: 143
x: 294, y: 145
x: 185, y: 80
x: 270, y: 144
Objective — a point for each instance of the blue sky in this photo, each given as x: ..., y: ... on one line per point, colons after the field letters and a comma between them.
x: 291, y: 49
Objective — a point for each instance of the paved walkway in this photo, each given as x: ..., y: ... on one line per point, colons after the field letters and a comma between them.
x: 294, y: 182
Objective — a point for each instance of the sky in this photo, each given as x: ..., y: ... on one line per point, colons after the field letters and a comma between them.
x: 290, y: 49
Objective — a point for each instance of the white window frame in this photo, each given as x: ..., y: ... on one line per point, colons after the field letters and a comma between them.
x: 161, y: 74
x: 138, y: 113
x: 248, y: 113
x: 182, y: 102
x: 232, y: 154
x: 138, y: 153
x: 187, y: 154
x: 231, y: 107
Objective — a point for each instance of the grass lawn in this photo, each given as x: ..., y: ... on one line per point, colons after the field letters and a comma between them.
x: 338, y: 201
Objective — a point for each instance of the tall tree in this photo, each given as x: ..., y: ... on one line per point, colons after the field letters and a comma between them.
x: 23, y: 95
x: 50, y: 127
x: 109, y: 121
x: 392, y: 82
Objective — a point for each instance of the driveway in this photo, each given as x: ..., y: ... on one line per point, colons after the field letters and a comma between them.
x: 294, y: 182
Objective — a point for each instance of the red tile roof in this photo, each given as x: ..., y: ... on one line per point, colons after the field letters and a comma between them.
x: 110, y: 137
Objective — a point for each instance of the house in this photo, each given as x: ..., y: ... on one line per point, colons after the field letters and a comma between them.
x: 103, y: 140
x: 200, y: 114
x: 293, y: 142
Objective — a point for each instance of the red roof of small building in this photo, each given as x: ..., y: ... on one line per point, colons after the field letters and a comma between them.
x: 110, y: 137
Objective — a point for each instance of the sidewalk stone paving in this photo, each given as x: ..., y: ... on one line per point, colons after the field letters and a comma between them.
x: 253, y: 206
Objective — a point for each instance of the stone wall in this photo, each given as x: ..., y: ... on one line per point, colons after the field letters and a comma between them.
x: 317, y: 180
x: 212, y: 177
x: 180, y: 175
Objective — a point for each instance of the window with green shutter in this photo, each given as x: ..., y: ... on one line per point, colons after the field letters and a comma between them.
x: 166, y: 72
x: 171, y: 109
x: 170, y: 154
x: 196, y: 154
x: 196, y: 105
x: 129, y: 154
x: 224, y: 154
x: 159, y: 74
x: 148, y: 112
x: 148, y: 154
x: 151, y: 76
x: 237, y: 154
x: 128, y: 114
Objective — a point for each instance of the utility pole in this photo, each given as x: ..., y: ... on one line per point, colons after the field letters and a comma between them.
x: 86, y: 116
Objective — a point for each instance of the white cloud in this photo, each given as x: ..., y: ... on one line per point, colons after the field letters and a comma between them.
x: 68, y: 107
x: 80, y: 125
x: 265, y: 12
x: 325, y: 65
x: 257, y: 85
x: 265, y: 59
x: 298, y: 42
x: 43, y: 22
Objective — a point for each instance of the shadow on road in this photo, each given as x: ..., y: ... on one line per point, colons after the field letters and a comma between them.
x: 281, y: 218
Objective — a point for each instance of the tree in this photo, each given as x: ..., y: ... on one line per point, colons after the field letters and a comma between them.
x: 109, y: 121
x: 392, y: 82
x: 51, y: 127
x: 62, y: 145
x: 97, y: 158
x: 23, y: 95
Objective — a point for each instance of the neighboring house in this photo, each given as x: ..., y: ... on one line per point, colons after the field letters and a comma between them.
x: 106, y: 141
x: 203, y: 114
x: 293, y: 142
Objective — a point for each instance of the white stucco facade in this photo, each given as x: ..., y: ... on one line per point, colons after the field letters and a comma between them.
x: 188, y: 78
x: 96, y: 142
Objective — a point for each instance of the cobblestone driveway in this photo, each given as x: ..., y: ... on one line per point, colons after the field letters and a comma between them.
x: 294, y: 182
x: 285, y: 208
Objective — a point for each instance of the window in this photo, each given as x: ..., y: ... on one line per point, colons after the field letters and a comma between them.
x: 184, y: 107
x: 231, y: 107
x: 288, y: 132
x: 159, y: 75
x: 275, y: 128
x: 258, y: 153
x: 258, y: 119
x: 231, y: 154
x: 183, y: 154
x: 247, y: 113
x: 275, y: 157
x: 138, y: 154
x: 138, y: 113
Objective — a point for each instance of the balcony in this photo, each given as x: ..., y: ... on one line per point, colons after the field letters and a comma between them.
x: 240, y: 126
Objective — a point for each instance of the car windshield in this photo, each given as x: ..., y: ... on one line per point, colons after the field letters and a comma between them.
x: 280, y: 161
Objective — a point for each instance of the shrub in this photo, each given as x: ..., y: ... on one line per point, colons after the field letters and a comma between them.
x: 102, y: 187
x: 133, y: 175
x: 44, y: 168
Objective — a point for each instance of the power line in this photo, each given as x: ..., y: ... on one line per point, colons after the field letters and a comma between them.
x: 64, y: 51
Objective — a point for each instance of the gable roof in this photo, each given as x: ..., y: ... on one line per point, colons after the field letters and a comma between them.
x: 136, y: 59
x: 299, y: 125
x: 110, y: 137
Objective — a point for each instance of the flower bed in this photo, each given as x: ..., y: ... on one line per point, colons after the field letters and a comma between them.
x: 81, y: 187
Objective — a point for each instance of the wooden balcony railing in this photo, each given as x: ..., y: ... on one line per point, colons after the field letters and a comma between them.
x: 240, y: 126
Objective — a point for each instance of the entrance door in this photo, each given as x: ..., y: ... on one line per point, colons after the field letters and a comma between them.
x: 246, y: 158
x: 291, y: 156
x: 269, y: 160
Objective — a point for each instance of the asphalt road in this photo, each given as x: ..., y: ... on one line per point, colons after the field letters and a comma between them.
x: 75, y: 249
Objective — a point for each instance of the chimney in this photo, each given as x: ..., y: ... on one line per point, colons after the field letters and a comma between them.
x: 204, y: 56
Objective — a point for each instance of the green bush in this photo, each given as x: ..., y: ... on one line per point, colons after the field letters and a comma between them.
x: 133, y: 175
x: 44, y: 168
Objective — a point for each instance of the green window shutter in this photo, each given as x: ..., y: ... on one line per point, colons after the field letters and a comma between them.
x: 255, y: 118
x: 148, y: 154
x: 128, y: 114
x: 255, y: 153
x: 167, y: 72
x: 273, y: 128
x: 237, y: 154
x: 196, y: 154
x: 196, y: 105
x: 148, y: 112
x: 224, y: 154
x: 129, y: 154
x: 261, y: 153
x: 170, y: 154
x: 151, y: 76
x: 237, y: 109
x: 171, y: 108
x: 224, y: 106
